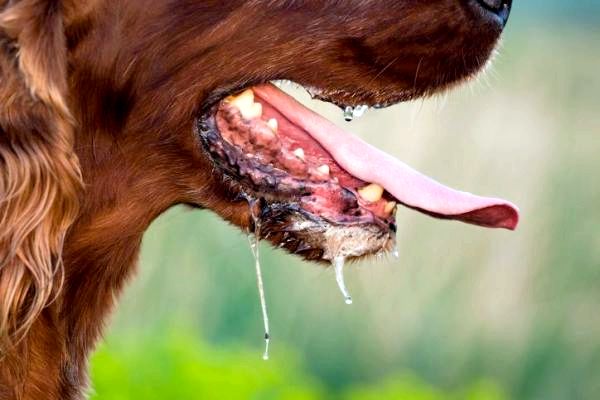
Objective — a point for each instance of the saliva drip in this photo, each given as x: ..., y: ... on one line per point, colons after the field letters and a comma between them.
x: 350, y: 113
x: 359, y: 111
x: 395, y: 251
x: 254, y: 240
x: 338, y: 265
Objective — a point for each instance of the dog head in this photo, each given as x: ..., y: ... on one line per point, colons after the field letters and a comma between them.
x: 168, y: 102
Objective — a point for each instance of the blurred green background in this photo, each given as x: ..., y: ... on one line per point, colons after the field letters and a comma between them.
x: 464, y: 313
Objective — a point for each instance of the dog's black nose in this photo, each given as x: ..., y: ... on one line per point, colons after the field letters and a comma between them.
x: 501, y: 8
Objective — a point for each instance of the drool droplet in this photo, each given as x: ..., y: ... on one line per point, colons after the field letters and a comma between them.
x: 349, y: 113
x: 338, y: 266
x: 359, y: 111
x: 266, y: 353
x: 395, y: 251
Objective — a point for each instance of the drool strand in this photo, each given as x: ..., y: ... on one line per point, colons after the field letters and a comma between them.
x: 338, y: 265
x: 254, y: 240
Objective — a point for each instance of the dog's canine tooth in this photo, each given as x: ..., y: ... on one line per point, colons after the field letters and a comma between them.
x: 273, y: 124
x: 371, y: 193
x: 324, y: 169
x: 255, y: 110
x: 245, y: 103
x: 242, y: 100
x: 390, y: 207
x: 299, y: 152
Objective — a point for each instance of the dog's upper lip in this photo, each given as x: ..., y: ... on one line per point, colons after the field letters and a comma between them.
x: 410, y: 187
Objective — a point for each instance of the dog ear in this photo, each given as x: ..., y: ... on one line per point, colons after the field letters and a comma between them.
x: 40, y: 178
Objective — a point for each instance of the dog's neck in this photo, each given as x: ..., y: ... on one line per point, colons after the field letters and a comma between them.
x: 101, y: 249
x: 100, y: 254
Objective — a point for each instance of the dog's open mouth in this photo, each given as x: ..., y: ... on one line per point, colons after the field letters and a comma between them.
x: 320, y: 191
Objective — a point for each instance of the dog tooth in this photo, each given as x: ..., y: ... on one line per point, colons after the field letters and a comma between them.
x: 371, y: 193
x: 273, y: 124
x: 254, y: 111
x: 243, y: 100
x: 390, y: 207
x: 299, y: 152
x: 324, y: 169
x: 266, y: 136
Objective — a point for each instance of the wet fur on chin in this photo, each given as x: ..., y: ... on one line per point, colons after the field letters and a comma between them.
x: 99, y: 102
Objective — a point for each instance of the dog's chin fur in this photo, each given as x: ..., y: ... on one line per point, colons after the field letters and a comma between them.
x: 99, y: 103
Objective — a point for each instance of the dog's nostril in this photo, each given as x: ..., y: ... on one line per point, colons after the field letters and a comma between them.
x: 499, y: 7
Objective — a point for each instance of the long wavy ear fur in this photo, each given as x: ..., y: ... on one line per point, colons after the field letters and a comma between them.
x: 39, y: 172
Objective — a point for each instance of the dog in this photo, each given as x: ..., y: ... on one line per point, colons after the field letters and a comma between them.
x: 113, y: 111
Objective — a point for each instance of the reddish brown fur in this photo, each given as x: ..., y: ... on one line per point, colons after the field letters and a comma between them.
x: 112, y: 89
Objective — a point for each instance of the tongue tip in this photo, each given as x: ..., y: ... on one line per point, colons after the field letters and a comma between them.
x: 502, y: 216
x: 511, y: 222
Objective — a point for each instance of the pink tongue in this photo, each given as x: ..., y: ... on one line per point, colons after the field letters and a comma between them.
x: 409, y: 186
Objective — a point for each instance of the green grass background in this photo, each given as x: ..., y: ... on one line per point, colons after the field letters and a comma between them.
x: 464, y: 313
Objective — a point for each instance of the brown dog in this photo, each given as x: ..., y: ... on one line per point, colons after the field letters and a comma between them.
x: 112, y: 111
